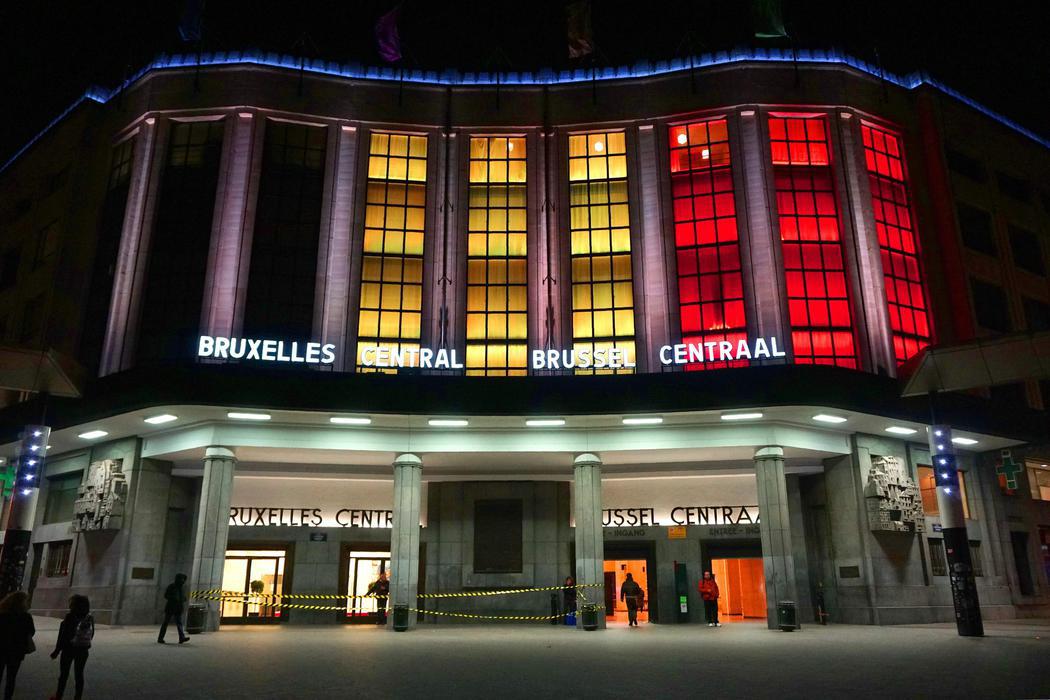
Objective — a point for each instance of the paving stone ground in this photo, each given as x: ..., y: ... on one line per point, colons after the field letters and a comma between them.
x: 739, y: 661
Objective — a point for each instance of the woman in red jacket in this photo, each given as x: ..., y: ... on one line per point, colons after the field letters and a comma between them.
x: 709, y: 592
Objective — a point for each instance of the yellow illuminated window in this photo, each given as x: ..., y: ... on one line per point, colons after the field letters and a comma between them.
x: 600, y: 244
x: 391, y: 304
x: 497, y: 286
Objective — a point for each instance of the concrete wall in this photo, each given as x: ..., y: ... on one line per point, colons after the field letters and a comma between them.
x: 449, y: 538
x: 885, y: 577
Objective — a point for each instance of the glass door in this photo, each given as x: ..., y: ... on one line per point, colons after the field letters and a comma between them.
x: 259, y: 576
x: 364, y: 570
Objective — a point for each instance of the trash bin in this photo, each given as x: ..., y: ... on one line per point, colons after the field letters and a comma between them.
x: 195, y: 617
x: 787, y: 616
x: 589, y: 615
x: 400, y: 618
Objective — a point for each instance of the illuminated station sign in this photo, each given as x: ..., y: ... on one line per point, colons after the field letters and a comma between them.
x: 386, y: 357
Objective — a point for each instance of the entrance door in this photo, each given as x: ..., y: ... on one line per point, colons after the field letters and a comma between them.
x: 619, y: 570
x: 741, y: 587
x: 363, y: 569
x: 259, y: 575
x: 639, y: 560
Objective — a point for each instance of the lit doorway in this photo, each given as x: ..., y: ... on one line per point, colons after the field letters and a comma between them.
x: 616, y: 571
x: 258, y: 574
x: 741, y: 587
x: 363, y: 569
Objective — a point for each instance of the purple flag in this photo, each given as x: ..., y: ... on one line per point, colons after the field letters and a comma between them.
x: 388, y: 41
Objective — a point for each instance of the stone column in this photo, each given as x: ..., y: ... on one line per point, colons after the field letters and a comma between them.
x: 653, y: 279
x: 590, y: 543
x: 213, y: 527
x: 333, y: 258
x: 404, y: 538
x: 121, y: 325
x: 777, y: 558
x: 864, y: 256
x: 759, y: 231
x: 226, y: 280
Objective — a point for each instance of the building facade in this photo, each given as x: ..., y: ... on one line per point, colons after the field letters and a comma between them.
x: 485, y: 334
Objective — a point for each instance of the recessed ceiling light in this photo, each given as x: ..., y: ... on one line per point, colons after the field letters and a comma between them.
x: 242, y: 415
x: 161, y: 419
x: 964, y: 441
x: 448, y: 422
x: 754, y: 415
x: 828, y: 418
x: 545, y: 422
x: 901, y: 430
x: 643, y: 420
x: 350, y: 420
x: 93, y: 435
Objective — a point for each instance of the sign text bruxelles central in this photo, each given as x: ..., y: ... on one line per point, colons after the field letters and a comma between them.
x: 384, y: 356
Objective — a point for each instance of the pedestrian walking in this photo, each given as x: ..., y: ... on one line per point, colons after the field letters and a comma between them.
x: 74, y: 640
x: 174, y: 604
x: 16, y: 637
x: 709, y: 593
x: 631, y: 593
x: 380, y: 588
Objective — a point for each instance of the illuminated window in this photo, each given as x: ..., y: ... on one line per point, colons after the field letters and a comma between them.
x: 1039, y: 480
x: 600, y: 232
x: 710, y: 279
x: 497, y: 287
x: 928, y: 492
x: 818, y: 299
x: 905, y: 295
x: 392, y: 262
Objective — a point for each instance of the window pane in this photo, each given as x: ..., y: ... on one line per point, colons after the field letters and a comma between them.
x: 389, y: 313
x: 600, y: 240
x: 817, y: 286
x: 710, y: 277
x: 498, y: 242
x: 901, y: 267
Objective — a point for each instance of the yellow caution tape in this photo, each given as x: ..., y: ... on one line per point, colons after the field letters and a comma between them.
x: 336, y: 596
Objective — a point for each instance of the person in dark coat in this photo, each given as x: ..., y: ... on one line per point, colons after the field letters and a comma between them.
x: 380, y: 588
x: 16, y: 634
x: 174, y: 602
x: 631, y: 593
x: 568, y: 596
x: 74, y: 640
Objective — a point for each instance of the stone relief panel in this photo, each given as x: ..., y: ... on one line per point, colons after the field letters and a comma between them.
x: 893, y: 500
x: 101, y: 497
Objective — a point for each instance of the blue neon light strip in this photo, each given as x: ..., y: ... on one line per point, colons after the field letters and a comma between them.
x: 641, y: 69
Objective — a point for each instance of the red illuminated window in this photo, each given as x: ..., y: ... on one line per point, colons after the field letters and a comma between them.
x: 710, y: 280
x: 905, y: 293
x: 814, y: 268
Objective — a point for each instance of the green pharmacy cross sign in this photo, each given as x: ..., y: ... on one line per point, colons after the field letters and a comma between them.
x: 7, y: 476
x: 1008, y: 469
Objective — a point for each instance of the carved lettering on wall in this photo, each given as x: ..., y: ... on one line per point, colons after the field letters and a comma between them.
x: 893, y: 500
x: 101, y: 497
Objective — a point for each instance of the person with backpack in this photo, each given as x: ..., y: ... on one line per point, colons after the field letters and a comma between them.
x: 709, y: 593
x: 174, y: 603
x: 16, y: 637
x: 631, y: 593
x: 74, y: 641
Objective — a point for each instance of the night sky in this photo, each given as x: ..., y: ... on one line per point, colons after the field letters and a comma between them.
x: 50, y: 52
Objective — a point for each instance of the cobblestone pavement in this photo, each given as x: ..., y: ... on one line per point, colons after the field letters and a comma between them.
x: 739, y: 661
